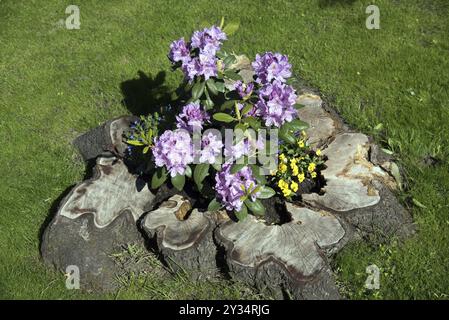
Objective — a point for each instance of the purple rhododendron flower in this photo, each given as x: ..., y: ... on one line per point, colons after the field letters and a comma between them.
x: 179, y: 51
x: 271, y: 66
x: 208, y: 40
x: 246, y: 147
x: 243, y: 89
x: 203, y: 65
x: 211, y: 148
x: 174, y: 150
x: 192, y: 117
x: 229, y: 186
x: 276, y: 103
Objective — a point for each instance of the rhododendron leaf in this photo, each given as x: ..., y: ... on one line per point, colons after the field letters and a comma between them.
x: 266, y: 193
x: 158, y: 178
x: 297, y: 125
x: 231, y: 28
x: 253, y: 122
x: 285, y: 135
x: 230, y: 74
x: 247, y: 108
x: 299, y: 106
x: 188, y: 172
x: 255, y: 207
x: 256, y: 173
x: 229, y: 104
x: 178, y: 181
x: 220, y: 86
x: 229, y: 60
x: 242, y: 214
x: 217, y: 166
x: 200, y: 173
x: 237, y: 167
x: 198, y: 89
x: 223, y: 117
x: 212, y: 87
x: 214, y: 205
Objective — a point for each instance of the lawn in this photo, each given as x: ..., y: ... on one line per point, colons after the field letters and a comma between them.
x: 57, y: 83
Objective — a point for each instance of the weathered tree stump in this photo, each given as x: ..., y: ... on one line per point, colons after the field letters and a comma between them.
x: 107, y: 137
x: 95, y: 220
x: 288, y: 259
x: 359, y: 190
x: 185, y: 239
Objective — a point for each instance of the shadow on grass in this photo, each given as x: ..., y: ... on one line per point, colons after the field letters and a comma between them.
x: 145, y: 94
x: 329, y: 3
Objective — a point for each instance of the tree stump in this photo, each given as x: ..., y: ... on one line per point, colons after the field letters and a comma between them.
x: 94, y: 221
x: 359, y: 190
x: 288, y: 260
x: 185, y: 239
x: 107, y: 137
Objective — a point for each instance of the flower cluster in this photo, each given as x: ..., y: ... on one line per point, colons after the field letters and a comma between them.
x: 232, y: 188
x: 197, y: 58
x: 211, y: 148
x: 174, y: 150
x: 271, y: 66
x: 296, y: 165
x: 192, y: 117
x: 276, y: 103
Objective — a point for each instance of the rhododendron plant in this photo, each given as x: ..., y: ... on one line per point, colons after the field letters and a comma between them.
x: 227, y: 92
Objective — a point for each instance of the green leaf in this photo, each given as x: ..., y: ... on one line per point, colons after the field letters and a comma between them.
x: 255, y: 207
x: 220, y: 86
x: 256, y: 173
x: 188, y: 172
x: 242, y: 214
x: 229, y: 104
x: 145, y: 150
x: 158, y: 178
x: 229, y: 60
x: 178, y: 181
x: 211, y: 86
x: 230, y: 74
x: 418, y: 204
x: 217, y: 166
x: 214, y: 205
x: 135, y: 143
x: 200, y: 173
x: 231, y: 28
x: 298, y: 125
x: 266, y: 192
x: 253, y: 122
x: 299, y: 106
x: 237, y: 167
x: 247, y: 108
x: 285, y: 135
x: 198, y: 89
x: 223, y: 117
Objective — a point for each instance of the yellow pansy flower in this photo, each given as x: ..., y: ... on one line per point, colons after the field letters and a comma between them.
x: 318, y: 152
x: 311, y: 167
x: 313, y: 175
x: 282, y: 167
x: 282, y: 157
x: 301, y: 177
x: 301, y: 143
x: 294, y: 186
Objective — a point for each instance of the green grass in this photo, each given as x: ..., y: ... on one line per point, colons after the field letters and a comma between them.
x: 57, y: 83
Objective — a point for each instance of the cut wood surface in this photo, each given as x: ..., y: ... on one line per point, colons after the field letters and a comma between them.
x: 349, y: 175
x: 296, y: 249
x: 94, y: 221
x: 107, y: 195
x: 184, y: 239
